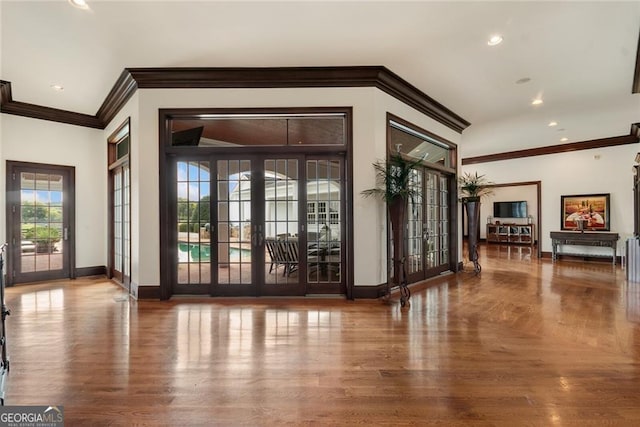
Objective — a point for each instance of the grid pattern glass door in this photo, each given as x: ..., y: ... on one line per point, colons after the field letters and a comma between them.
x: 41, y: 222
x: 443, y: 222
x: 415, y: 229
x: 324, y: 221
x: 193, y: 205
x: 281, y: 205
x: 234, y: 226
x: 126, y: 223
x: 432, y: 221
x: 117, y: 222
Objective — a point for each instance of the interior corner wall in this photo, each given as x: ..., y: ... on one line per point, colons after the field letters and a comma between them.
x: 369, y: 145
x: 366, y: 143
x: 385, y: 103
x: 39, y: 141
x: 595, y: 171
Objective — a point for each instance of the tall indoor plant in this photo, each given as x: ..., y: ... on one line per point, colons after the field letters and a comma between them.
x: 473, y: 188
x: 393, y: 179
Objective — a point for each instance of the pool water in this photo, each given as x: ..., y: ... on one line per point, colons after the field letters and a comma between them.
x: 195, y: 252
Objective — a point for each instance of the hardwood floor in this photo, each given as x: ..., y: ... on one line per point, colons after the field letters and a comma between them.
x: 526, y: 343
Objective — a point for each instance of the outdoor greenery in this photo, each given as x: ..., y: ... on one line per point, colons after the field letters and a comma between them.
x: 193, y: 215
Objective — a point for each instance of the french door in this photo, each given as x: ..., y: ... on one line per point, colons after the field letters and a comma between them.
x: 258, y: 225
x: 428, y: 226
x: 40, y: 222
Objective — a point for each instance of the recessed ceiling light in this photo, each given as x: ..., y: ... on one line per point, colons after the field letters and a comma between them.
x: 495, y: 40
x: 80, y: 4
x: 536, y: 101
x: 564, y: 139
x: 523, y: 80
x: 552, y: 123
x: 57, y: 88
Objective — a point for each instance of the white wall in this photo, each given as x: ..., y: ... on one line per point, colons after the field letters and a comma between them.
x: 369, y: 140
x: 603, y: 170
x: 39, y: 141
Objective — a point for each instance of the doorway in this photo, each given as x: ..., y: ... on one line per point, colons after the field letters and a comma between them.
x: 258, y: 225
x: 40, y: 222
x: 428, y: 225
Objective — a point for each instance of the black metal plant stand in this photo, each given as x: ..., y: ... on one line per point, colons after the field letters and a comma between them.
x: 4, y: 361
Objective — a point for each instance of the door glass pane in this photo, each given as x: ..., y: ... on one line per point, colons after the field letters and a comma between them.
x: 443, y: 228
x: 234, y: 230
x: 324, y: 221
x: 416, y: 232
x: 194, y: 247
x: 281, y: 221
x: 41, y: 222
x: 126, y: 222
x: 432, y: 221
x: 117, y: 220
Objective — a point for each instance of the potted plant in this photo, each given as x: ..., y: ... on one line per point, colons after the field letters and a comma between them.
x: 393, y: 179
x: 473, y: 188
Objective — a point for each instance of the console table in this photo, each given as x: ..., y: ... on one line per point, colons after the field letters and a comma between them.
x: 578, y: 238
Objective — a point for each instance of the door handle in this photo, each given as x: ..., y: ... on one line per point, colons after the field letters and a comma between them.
x: 65, y: 233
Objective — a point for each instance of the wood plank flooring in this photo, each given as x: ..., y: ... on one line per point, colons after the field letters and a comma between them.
x: 526, y: 343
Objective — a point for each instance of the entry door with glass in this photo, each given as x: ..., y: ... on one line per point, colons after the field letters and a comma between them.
x: 271, y: 226
x: 428, y: 234
x: 40, y: 206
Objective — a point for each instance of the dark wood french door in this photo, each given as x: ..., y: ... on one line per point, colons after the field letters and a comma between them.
x: 40, y: 222
x: 258, y: 225
x: 428, y: 225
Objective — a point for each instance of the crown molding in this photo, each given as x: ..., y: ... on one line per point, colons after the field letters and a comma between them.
x: 9, y: 106
x: 555, y: 149
x: 132, y: 79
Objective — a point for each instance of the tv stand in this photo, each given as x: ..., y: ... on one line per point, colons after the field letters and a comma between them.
x: 521, y: 234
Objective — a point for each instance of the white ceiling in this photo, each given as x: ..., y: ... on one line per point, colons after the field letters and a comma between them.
x: 575, y: 53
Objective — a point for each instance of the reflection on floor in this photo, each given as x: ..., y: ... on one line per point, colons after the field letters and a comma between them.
x: 526, y: 342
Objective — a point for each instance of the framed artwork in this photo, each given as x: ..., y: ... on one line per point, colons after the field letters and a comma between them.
x: 585, y: 212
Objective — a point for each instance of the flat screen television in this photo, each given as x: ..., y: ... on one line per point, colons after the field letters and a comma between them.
x: 510, y: 209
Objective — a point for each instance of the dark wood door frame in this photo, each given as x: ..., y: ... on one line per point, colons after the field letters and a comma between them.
x: 13, y: 200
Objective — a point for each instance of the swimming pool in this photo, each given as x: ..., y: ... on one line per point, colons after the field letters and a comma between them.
x: 197, y: 252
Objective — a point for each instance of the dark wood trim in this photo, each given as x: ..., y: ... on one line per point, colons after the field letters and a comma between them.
x: 635, y: 88
x: 122, y: 90
x: 98, y: 270
x: 553, y: 149
x: 369, y: 292
x: 276, y: 77
x: 13, y: 198
x: 148, y: 293
x: 9, y: 106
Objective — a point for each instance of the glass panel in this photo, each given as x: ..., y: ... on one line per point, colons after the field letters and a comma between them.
x: 324, y: 221
x: 41, y: 222
x: 234, y: 222
x: 416, y: 232
x: 117, y: 220
x: 432, y: 218
x: 281, y: 221
x: 193, y: 225
x: 418, y: 145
